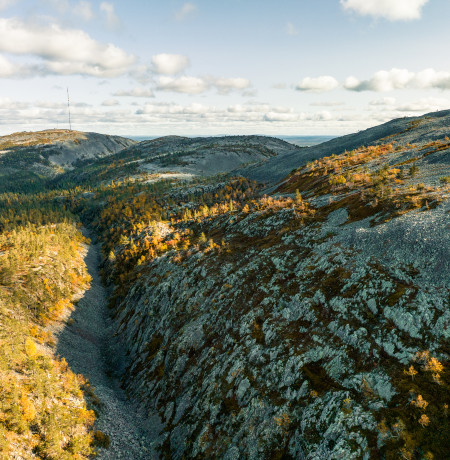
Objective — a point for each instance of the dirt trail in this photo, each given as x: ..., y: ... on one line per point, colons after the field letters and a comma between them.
x: 89, y: 348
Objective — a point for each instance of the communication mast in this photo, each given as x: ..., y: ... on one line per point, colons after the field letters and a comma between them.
x: 68, y: 107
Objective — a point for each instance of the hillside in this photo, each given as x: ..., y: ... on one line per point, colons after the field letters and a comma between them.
x: 204, y: 156
x: 308, y: 323
x: 45, y: 409
x: 32, y: 157
x: 311, y: 323
x: 402, y: 131
x: 174, y: 157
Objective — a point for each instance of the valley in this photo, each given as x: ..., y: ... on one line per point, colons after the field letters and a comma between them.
x: 232, y: 297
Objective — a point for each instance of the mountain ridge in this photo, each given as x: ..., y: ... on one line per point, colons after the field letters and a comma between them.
x: 420, y: 129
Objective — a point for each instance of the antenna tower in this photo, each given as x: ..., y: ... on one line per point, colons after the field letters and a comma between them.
x: 68, y: 106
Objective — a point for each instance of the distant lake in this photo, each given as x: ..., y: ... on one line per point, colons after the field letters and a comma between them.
x: 301, y: 141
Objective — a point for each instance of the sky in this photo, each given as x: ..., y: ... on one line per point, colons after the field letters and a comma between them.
x: 204, y: 67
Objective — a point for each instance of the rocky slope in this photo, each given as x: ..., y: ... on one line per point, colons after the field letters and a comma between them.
x: 413, y: 130
x: 313, y: 323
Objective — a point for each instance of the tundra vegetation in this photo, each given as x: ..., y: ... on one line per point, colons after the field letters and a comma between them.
x: 43, y: 411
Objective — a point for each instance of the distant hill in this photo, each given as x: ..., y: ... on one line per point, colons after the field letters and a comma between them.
x: 414, y: 130
x: 30, y: 157
x: 204, y: 155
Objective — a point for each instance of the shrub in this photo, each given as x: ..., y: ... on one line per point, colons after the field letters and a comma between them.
x: 102, y: 439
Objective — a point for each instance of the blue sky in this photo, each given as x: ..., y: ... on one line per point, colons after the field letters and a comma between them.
x: 293, y: 67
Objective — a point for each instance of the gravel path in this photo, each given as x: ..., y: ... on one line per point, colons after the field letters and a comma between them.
x: 89, y: 348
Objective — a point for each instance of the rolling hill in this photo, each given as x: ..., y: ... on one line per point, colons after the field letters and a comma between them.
x: 29, y: 158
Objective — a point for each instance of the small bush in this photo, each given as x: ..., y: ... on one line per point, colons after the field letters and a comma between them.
x: 101, y: 439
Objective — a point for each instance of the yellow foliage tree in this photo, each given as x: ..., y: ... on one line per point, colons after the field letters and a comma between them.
x: 424, y: 420
x: 28, y: 409
x: 30, y: 348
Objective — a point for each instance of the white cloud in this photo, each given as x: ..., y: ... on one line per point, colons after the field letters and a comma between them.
x: 383, y: 101
x: 286, y: 117
x: 424, y: 105
x: 83, y: 10
x: 382, y: 81
x: 170, y: 118
x: 63, y: 51
x: 394, y: 10
x: 4, y: 4
x: 323, y: 116
x: 225, y: 85
x: 8, y: 104
x: 59, y: 105
x: 110, y: 103
x: 430, y: 78
x: 291, y: 29
x: 258, y: 108
x: 317, y: 84
x: 135, y: 92
x: 235, y: 113
x: 185, y: 11
x: 198, y: 85
x: 183, y: 84
x: 279, y: 86
x: 169, y: 64
x: 389, y: 80
x: 7, y: 68
x: 112, y: 20
x: 327, y: 103
x: 175, y: 109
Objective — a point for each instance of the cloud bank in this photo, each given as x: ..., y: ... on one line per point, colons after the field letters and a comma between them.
x: 197, y: 85
x: 393, y: 10
x: 389, y: 80
x: 135, y: 92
